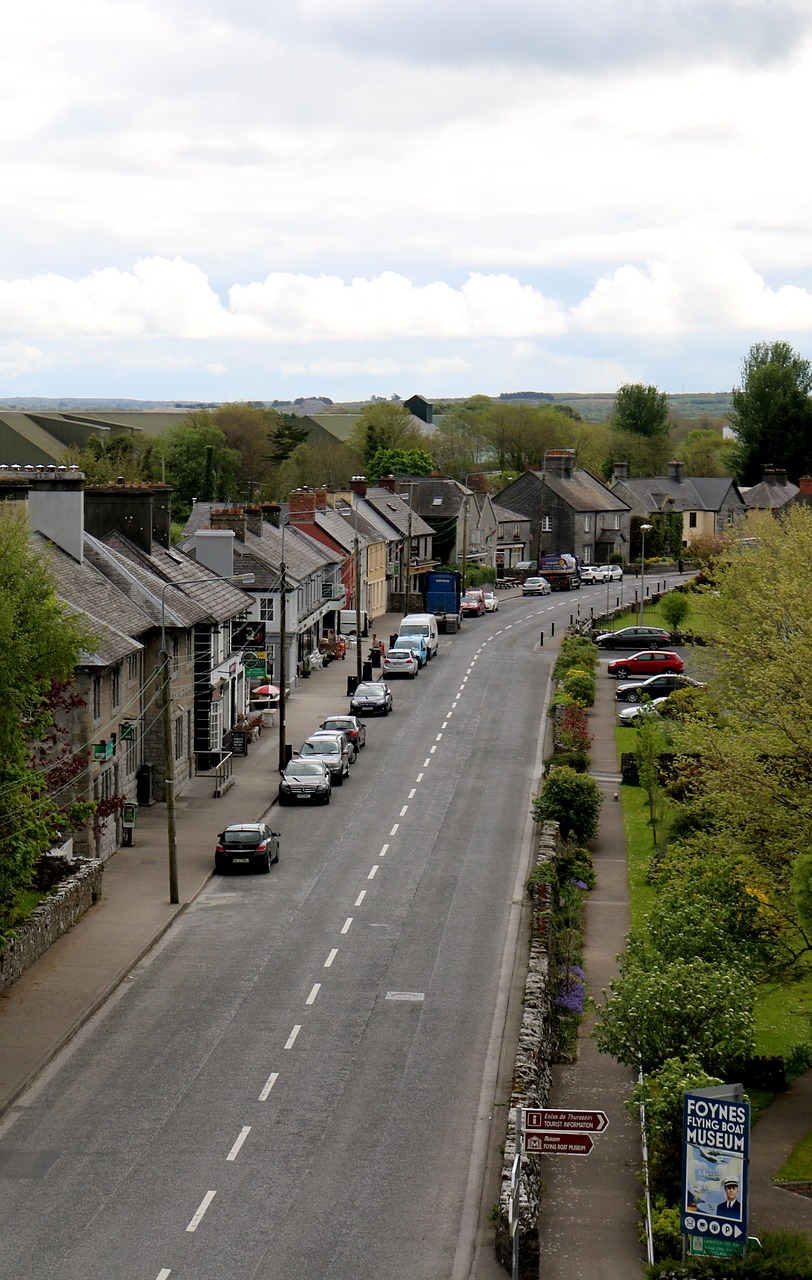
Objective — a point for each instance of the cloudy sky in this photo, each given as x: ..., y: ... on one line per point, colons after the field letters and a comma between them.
x: 255, y: 199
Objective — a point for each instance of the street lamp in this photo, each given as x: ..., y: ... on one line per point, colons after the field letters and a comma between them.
x: 644, y: 529
x: 467, y: 500
x: 283, y: 641
x: 166, y: 716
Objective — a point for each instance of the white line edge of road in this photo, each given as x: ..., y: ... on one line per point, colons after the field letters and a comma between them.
x: 466, y: 1254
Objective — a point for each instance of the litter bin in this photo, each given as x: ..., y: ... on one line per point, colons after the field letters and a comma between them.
x: 392, y: 641
x: 366, y: 671
x: 352, y: 685
x: 143, y: 784
x: 288, y: 753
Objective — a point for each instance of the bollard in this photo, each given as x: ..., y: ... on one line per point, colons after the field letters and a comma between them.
x: 541, y: 639
x: 570, y: 619
x: 552, y: 628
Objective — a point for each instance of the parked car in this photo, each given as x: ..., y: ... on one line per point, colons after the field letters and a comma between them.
x: 472, y: 604
x: 536, y: 587
x: 609, y: 573
x: 632, y: 714
x: 305, y: 779
x: 400, y: 662
x: 373, y: 696
x: 654, y: 687
x: 491, y: 602
x: 332, y: 752
x: 346, y: 740
x: 634, y: 638
x: 651, y: 662
x: 355, y: 729
x: 589, y: 572
x: 246, y: 844
x: 418, y: 646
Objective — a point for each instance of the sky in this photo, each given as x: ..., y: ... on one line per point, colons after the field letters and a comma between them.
x: 263, y: 199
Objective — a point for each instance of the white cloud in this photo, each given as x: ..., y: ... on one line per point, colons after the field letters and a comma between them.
x: 17, y: 359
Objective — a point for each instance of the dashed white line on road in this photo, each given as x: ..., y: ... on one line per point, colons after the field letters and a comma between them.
x: 426, y: 763
x: 204, y: 1204
x: 269, y: 1084
x: 243, y: 1134
x: 385, y: 848
x: 432, y: 750
x: 314, y: 991
x: 291, y: 1040
x: 345, y: 928
x: 163, y: 1274
x: 419, y: 778
x: 444, y: 725
x: 438, y: 737
x: 404, y: 810
x: 372, y: 873
x: 328, y: 962
x: 412, y: 794
x: 394, y: 830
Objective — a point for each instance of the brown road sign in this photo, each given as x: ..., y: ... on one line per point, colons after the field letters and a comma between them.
x: 558, y: 1144
x: 564, y: 1120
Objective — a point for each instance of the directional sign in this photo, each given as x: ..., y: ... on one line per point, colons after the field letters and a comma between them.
x: 557, y: 1144
x: 564, y: 1121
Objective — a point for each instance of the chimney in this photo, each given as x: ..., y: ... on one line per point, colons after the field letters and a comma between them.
x: 56, y: 507
x: 620, y: 471
x: 254, y: 520
x: 675, y: 471
x: 774, y: 475
x: 233, y: 518
x: 388, y: 482
x: 142, y: 512
x: 301, y: 506
x: 559, y: 462
x: 13, y: 486
x: 358, y: 484
x: 805, y: 484
x: 272, y: 513
x: 215, y: 550
x: 321, y: 498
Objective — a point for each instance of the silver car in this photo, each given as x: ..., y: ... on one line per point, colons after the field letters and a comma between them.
x: 333, y: 751
x: 536, y: 587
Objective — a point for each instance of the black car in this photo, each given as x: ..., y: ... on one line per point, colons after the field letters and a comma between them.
x: 354, y: 728
x: 655, y: 687
x: 372, y: 696
x: 246, y: 844
x: 305, y: 780
x: 635, y: 638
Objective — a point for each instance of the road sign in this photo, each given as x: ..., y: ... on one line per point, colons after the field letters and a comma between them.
x: 564, y: 1121
x: 546, y: 1143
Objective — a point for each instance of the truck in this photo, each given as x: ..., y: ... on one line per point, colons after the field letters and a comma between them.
x: 561, y: 571
x: 442, y: 593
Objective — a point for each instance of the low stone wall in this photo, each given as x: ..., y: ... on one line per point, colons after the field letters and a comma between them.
x: 532, y: 1078
x: 53, y: 917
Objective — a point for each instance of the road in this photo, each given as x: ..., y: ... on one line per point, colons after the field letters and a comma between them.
x: 292, y: 1084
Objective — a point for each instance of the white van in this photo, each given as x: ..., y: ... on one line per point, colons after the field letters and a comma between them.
x: 422, y: 624
x: 348, y: 622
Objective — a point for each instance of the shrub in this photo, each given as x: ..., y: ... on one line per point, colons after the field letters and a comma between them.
x: 675, y: 608
x: 580, y: 685
x: 666, y: 1229
x: 576, y: 652
x: 661, y: 1092
x: 572, y: 729
x: 571, y: 799
x: 577, y: 760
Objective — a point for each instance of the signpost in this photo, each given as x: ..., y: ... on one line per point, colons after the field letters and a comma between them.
x: 542, y: 1143
x: 716, y: 1138
x: 564, y: 1121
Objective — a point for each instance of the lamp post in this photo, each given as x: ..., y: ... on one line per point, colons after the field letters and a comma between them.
x: 467, y: 500
x: 283, y: 641
x: 166, y: 717
x: 644, y: 529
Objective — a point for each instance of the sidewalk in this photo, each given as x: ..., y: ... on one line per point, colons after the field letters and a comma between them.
x: 58, y: 994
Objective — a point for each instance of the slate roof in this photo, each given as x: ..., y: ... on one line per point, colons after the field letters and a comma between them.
x: 770, y: 495
x: 583, y: 492
x: 201, y: 597
x: 700, y: 493
x: 116, y: 620
x: 395, y: 512
x: 504, y: 515
x: 340, y: 526
x: 262, y: 555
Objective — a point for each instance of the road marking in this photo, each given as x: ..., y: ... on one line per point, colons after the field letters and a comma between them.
x: 404, y: 810
x: 419, y: 778
x: 394, y: 830
x: 438, y: 737
x: 269, y: 1084
x: 405, y: 995
x: 385, y: 848
x: 328, y: 962
x: 426, y: 763
x: 291, y: 1040
x: 204, y: 1204
x: 371, y: 875
x: 348, y: 921
x: 314, y: 991
x: 444, y: 725
x: 432, y: 750
x: 244, y: 1132
x: 164, y: 1274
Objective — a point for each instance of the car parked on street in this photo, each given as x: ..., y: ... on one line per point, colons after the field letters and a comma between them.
x: 589, y: 572
x: 634, y: 638
x: 372, y: 696
x: 491, y: 602
x: 609, y: 573
x: 472, y: 604
x: 418, y: 646
x: 332, y: 751
x: 650, y: 662
x: 536, y: 587
x: 354, y: 728
x: 346, y: 740
x: 305, y: 779
x: 654, y: 687
x: 249, y: 845
x: 400, y: 662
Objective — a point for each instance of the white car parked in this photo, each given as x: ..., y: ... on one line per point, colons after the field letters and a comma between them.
x: 491, y: 602
x: 400, y: 662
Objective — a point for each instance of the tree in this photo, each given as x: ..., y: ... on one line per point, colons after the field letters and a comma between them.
x: 772, y: 412
x: 39, y: 645
x: 285, y: 436
x: 641, y: 411
x: 385, y: 425
x: 705, y: 452
x: 571, y: 799
x: 198, y: 460
x: 399, y: 462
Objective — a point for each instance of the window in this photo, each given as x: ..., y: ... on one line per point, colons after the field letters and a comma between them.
x: 131, y: 759
x: 96, y: 697
x: 617, y: 519
x: 546, y: 524
x: 115, y: 687
x: 134, y: 668
x: 175, y: 654
x: 691, y: 519
x: 266, y: 608
x: 586, y: 554
x: 587, y: 524
x: 178, y: 734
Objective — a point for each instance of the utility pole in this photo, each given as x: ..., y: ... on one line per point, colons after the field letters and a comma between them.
x: 408, y: 575
x: 356, y: 553
x: 283, y: 642
x: 465, y: 540
x: 169, y: 772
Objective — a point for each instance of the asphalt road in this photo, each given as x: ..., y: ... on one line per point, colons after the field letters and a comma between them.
x: 292, y: 1084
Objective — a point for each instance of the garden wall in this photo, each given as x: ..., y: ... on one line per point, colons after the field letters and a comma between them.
x: 53, y: 917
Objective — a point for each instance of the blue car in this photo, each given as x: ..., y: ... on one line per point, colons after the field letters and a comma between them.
x: 418, y: 646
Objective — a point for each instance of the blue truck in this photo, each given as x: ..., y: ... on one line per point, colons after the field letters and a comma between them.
x: 442, y: 593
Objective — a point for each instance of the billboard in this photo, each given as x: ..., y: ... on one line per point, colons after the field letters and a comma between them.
x: 716, y: 1138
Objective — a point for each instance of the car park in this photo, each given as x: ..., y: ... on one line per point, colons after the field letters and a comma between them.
x: 400, y: 662
x: 332, y: 752
x: 346, y: 741
x: 354, y: 728
x: 248, y: 845
x: 372, y: 696
x: 472, y: 604
x: 654, y: 687
x: 536, y: 587
x: 418, y: 646
x: 491, y: 602
x: 305, y: 779
x: 631, y: 715
x: 634, y: 638
x: 650, y: 662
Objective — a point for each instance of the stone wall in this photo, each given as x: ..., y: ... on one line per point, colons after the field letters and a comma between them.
x: 53, y: 917
x: 532, y: 1077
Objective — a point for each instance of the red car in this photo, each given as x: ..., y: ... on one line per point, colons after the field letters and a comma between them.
x: 472, y: 604
x: 647, y: 663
